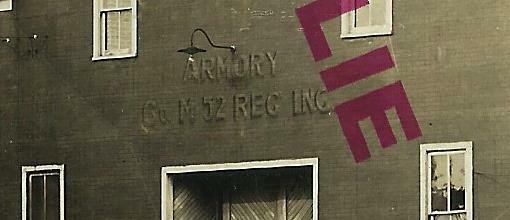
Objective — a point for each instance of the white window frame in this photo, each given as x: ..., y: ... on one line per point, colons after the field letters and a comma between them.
x: 425, y: 151
x: 8, y: 8
x: 167, y: 172
x: 350, y: 31
x: 24, y: 173
x: 98, y: 31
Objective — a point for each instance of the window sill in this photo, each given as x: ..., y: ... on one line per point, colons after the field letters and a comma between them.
x: 361, y: 35
x: 113, y: 57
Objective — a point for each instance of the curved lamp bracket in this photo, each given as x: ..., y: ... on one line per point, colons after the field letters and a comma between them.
x: 193, y: 50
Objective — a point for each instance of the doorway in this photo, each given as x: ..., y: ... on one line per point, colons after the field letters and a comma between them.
x: 242, y: 191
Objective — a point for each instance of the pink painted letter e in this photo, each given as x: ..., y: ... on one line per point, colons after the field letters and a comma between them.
x: 373, y: 105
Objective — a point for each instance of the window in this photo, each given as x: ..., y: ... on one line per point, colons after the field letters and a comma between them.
x: 42, y: 192
x: 283, y: 189
x: 114, y: 29
x: 446, y: 181
x: 5, y: 5
x: 372, y: 19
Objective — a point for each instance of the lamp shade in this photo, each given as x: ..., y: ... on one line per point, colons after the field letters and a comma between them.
x: 192, y: 50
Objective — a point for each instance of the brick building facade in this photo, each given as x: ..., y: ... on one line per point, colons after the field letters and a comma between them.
x: 122, y: 126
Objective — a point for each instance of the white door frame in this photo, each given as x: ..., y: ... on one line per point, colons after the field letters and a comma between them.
x: 167, y: 184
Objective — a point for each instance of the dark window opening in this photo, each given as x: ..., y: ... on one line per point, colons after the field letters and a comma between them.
x: 43, y: 195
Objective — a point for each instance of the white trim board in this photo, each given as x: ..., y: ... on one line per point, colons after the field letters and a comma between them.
x: 167, y: 185
x: 27, y: 169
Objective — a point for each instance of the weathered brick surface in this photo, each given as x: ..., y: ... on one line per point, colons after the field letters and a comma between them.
x: 60, y: 107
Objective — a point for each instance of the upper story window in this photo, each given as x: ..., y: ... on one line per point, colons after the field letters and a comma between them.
x: 5, y: 5
x: 114, y: 29
x: 446, y: 181
x: 373, y: 19
x: 42, y: 192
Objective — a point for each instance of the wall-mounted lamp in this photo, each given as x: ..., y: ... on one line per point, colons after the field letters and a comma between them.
x: 193, y: 50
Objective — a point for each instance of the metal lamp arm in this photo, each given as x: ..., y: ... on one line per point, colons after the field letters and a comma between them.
x: 231, y: 48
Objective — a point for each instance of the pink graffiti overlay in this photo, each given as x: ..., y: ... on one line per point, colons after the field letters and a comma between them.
x: 358, y: 68
x: 373, y: 105
x: 312, y: 15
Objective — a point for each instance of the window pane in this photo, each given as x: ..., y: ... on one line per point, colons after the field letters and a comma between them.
x: 52, y: 197
x: 458, y: 182
x: 362, y: 15
x: 125, y: 29
x: 112, y: 31
x: 109, y: 4
x: 378, y: 12
x: 36, y: 198
x: 441, y: 217
x: 459, y: 216
x: 124, y: 3
x: 4, y: 4
x: 439, y: 182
